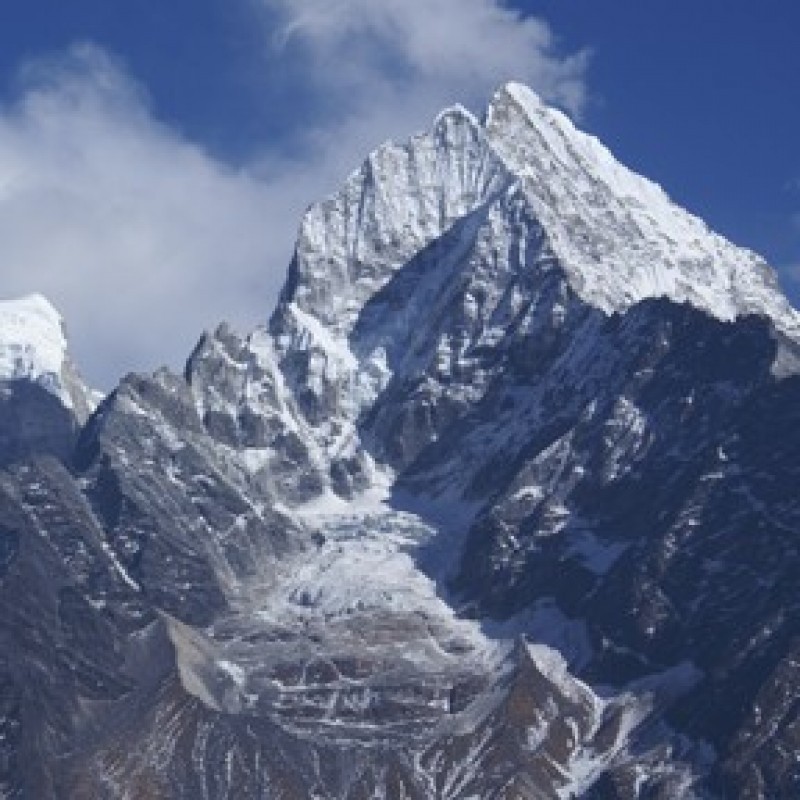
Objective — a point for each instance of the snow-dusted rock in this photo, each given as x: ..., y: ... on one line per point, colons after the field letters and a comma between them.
x: 502, y: 503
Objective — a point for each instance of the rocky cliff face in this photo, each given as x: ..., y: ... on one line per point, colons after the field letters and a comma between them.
x: 501, y: 504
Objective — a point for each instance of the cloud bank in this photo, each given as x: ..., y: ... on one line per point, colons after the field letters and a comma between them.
x: 138, y: 236
x: 143, y: 239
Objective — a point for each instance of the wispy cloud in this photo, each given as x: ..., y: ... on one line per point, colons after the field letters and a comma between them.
x: 142, y: 238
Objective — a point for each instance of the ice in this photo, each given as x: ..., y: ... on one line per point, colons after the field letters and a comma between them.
x: 32, y: 344
x: 365, y: 567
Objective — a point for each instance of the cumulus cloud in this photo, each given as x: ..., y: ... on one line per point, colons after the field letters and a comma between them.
x: 383, y: 69
x: 456, y: 48
x: 137, y: 235
x: 143, y: 239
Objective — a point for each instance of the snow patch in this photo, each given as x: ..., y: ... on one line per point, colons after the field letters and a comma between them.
x: 32, y: 344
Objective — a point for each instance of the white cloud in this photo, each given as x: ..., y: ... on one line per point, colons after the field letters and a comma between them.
x: 138, y: 236
x: 143, y: 239
x: 386, y: 68
x: 460, y: 48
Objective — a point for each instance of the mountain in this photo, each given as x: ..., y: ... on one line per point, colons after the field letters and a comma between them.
x: 43, y: 401
x: 500, y: 504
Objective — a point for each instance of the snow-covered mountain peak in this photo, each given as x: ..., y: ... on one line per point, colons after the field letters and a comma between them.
x: 437, y: 249
x: 33, y: 348
x: 32, y: 343
x: 452, y: 118
x: 617, y: 234
x: 402, y: 198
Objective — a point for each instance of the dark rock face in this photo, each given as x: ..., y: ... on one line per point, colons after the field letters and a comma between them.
x: 76, y: 640
x: 33, y: 421
x: 461, y: 523
x: 660, y: 510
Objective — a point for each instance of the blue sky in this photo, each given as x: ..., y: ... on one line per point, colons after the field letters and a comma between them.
x: 155, y: 157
